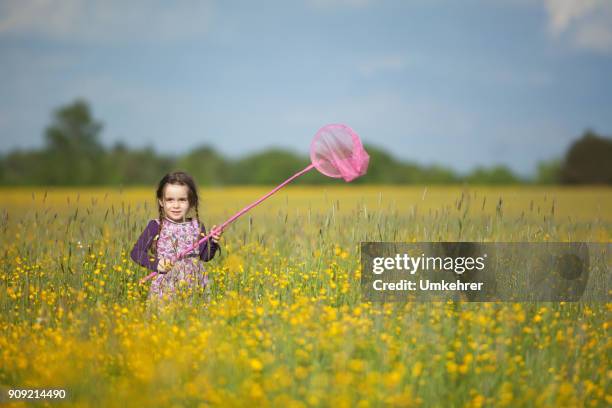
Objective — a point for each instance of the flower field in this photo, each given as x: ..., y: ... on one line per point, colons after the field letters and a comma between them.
x: 285, y: 325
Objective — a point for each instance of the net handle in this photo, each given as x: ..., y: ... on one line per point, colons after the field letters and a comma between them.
x: 248, y: 207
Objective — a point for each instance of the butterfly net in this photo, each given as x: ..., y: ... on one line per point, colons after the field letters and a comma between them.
x: 336, y: 151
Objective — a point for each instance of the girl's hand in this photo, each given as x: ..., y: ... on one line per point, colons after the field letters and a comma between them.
x: 216, y: 236
x: 164, y: 265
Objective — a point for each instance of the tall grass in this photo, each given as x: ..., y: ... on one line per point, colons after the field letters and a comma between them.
x: 285, y: 324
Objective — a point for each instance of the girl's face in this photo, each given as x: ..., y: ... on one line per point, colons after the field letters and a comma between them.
x: 175, y: 202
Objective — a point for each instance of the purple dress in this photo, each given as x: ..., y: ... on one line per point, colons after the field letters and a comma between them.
x: 188, y: 273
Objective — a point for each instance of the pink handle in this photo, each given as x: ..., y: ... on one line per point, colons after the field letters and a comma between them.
x: 235, y: 216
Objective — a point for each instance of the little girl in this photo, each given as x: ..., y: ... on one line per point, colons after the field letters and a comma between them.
x: 172, y: 234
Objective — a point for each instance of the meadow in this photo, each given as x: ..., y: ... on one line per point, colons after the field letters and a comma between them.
x: 285, y: 324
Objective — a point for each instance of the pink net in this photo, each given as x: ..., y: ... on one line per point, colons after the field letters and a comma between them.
x: 336, y: 151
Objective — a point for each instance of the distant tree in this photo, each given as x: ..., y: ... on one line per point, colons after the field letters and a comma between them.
x: 383, y: 168
x: 142, y: 166
x: 588, y: 161
x: 548, y: 172
x: 386, y: 169
x: 73, y: 153
x: 23, y: 167
x: 439, y: 175
x: 115, y: 161
x: 494, y: 175
x: 135, y: 166
x: 205, y: 165
x: 266, y: 167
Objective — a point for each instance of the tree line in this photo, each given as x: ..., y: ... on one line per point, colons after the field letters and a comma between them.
x: 73, y: 155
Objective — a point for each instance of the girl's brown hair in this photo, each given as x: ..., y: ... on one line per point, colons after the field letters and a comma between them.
x: 183, y: 179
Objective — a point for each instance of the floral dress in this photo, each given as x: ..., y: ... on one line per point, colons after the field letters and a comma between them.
x: 187, y: 274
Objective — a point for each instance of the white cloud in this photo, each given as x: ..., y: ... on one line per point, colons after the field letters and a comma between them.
x: 587, y: 23
x: 106, y: 21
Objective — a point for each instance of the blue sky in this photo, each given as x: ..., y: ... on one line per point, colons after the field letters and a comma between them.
x: 457, y: 83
